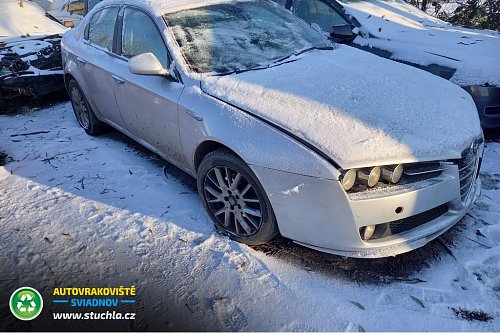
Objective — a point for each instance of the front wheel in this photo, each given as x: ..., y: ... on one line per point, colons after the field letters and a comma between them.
x: 234, y: 199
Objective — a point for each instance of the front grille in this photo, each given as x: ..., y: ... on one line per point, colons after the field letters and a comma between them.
x: 414, y: 221
x: 467, y: 169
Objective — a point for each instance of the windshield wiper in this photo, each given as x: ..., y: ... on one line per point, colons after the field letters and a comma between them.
x: 238, y: 71
x: 276, y: 62
x: 307, y: 49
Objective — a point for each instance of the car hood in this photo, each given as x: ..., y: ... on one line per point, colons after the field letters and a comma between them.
x: 28, y: 20
x: 414, y: 36
x: 359, y: 109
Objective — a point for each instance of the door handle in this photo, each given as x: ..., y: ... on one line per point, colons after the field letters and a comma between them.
x: 194, y: 115
x: 81, y: 61
x: 118, y: 80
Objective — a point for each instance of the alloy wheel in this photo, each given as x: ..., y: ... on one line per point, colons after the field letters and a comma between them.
x: 233, y: 201
x: 81, y: 107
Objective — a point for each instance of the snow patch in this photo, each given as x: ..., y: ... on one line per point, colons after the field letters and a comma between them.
x: 415, y: 36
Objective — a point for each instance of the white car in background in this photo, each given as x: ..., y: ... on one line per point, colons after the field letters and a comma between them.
x: 30, y: 52
x: 70, y: 12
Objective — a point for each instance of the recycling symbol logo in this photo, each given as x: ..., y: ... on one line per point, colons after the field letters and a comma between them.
x: 21, y: 305
x: 26, y: 303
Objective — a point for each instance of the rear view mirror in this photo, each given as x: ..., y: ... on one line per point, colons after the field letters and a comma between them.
x: 342, y: 33
x: 146, y: 64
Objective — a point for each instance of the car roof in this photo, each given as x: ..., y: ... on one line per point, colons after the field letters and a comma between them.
x: 28, y: 20
x: 161, y: 7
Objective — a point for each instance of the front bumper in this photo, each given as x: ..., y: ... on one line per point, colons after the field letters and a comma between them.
x: 319, y: 214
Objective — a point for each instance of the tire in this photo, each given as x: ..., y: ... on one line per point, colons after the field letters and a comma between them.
x: 83, y: 112
x: 240, y: 210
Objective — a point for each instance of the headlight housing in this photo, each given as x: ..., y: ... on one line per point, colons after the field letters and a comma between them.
x: 370, y: 177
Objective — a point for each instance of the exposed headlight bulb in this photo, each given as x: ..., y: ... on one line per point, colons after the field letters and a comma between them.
x: 369, y: 177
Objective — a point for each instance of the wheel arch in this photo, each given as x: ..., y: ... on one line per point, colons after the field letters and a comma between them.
x: 67, y: 78
x: 205, y: 148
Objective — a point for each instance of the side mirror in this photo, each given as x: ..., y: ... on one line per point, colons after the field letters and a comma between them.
x: 342, y: 33
x: 147, y: 64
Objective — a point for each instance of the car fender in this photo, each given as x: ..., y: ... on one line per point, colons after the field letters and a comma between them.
x: 203, y: 118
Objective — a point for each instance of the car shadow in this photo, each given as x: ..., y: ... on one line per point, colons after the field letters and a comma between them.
x: 25, y: 104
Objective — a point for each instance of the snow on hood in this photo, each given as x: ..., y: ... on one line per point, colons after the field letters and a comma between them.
x: 413, y: 35
x: 28, y: 20
x: 360, y: 109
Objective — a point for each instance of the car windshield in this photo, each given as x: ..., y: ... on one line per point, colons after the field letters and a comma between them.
x: 238, y: 36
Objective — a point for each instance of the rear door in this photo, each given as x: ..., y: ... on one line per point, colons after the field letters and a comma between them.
x: 97, y: 64
x: 148, y: 104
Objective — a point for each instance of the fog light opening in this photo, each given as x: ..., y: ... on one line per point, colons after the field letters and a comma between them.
x: 367, y: 232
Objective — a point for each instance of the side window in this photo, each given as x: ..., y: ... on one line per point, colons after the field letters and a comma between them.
x: 140, y: 35
x: 102, y: 27
x: 317, y: 11
x: 75, y: 7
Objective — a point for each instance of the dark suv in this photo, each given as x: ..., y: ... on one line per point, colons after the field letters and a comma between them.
x: 399, y: 31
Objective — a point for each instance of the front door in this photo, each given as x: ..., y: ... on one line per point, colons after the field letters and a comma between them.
x: 148, y: 104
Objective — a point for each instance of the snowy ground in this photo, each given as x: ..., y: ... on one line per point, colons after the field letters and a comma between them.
x: 78, y: 211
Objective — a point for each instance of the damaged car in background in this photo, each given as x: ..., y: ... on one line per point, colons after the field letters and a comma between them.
x: 30, y: 51
x: 70, y: 12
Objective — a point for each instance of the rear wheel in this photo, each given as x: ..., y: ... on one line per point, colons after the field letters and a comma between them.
x: 234, y: 199
x: 83, y: 112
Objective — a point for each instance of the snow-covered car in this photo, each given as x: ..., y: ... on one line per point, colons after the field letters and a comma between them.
x: 336, y: 148
x: 30, y: 51
x: 70, y: 12
x: 396, y: 30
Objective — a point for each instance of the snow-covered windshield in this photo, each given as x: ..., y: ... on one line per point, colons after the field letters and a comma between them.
x: 237, y: 36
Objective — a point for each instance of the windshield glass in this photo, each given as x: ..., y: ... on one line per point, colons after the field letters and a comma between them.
x: 240, y: 36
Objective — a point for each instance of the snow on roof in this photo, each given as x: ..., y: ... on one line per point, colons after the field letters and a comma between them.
x: 161, y: 7
x: 413, y: 35
x: 27, y: 20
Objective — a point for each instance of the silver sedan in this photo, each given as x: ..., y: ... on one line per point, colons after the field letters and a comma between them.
x: 335, y: 148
